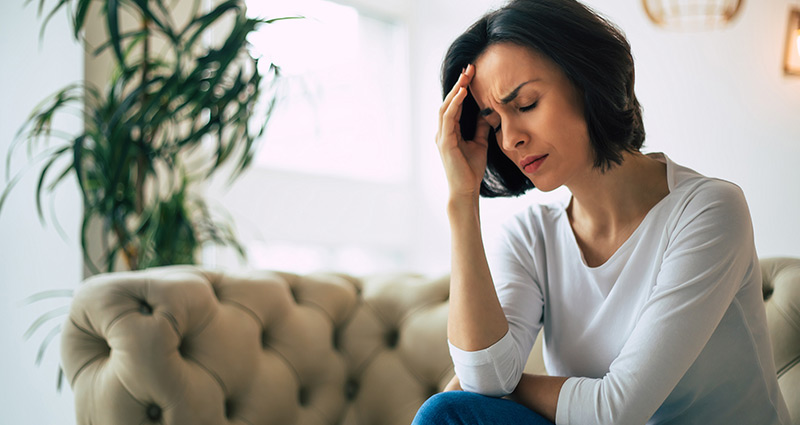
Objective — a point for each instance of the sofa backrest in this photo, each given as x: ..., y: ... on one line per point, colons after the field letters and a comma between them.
x: 183, y: 345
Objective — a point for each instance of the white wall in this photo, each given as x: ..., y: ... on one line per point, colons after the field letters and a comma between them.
x: 719, y: 103
x: 33, y: 258
x: 715, y: 101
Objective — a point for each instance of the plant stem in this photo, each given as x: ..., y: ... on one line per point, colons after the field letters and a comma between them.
x: 131, y: 255
x: 145, y: 133
x: 129, y: 248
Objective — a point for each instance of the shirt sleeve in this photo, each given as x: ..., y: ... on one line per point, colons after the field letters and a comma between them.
x: 495, y: 371
x: 709, y: 255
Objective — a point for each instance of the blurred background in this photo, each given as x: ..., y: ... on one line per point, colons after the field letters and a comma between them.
x: 348, y: 178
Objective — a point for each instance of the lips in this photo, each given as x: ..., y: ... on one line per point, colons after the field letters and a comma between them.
x: 532, y: 163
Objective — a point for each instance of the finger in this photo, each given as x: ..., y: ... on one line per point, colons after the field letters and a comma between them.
x: 449, y: 98
x: 466, y: 76
x: 463, y: 81
x: 451, y: 117
x: 453, y: 111
x: 461, y: 104
x: 448, y: 124
x: 469, y: 72
x: 458, y: 115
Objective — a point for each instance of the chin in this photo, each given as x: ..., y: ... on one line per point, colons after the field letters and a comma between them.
x: 546, y: 189
x: 544, y: 186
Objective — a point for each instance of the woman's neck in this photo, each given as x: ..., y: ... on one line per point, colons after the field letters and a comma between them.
x: 605, y: 204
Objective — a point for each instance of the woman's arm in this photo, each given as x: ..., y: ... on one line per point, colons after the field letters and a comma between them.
x: 489, y: 336
x: 536, y: 392
x: 475, y: 319
x: 539, y: 393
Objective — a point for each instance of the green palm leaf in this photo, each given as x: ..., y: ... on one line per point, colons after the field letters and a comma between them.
x: 44, y: 318
x: 128, y: 157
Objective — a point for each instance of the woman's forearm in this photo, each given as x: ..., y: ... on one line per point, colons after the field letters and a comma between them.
x: 536, y: 392
x: 475, y: 319
x: 539, y: 393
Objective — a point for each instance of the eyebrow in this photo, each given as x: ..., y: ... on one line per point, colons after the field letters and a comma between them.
x: 511, y: 96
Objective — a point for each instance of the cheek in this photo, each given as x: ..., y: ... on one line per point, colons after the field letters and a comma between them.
x: 572, y: 125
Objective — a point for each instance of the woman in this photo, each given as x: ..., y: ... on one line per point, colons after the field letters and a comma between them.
x: 646, y: 283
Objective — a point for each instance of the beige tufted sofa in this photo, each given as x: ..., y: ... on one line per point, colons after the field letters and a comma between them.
x: 184, y: 345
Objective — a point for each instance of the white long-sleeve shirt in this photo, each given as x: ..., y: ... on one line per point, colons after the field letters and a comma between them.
x: 670, y: 330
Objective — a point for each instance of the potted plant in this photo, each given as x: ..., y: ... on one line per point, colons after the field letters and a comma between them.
x: 170, y: 95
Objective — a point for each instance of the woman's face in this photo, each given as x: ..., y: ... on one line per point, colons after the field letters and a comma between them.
x: 537, y: 114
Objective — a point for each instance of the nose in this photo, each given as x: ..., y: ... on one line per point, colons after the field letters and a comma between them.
x: 513, y: 137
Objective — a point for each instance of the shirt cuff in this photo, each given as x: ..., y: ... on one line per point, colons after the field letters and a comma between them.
x: 484, y: 356
x: 565, y: 397
x: 487, y: 371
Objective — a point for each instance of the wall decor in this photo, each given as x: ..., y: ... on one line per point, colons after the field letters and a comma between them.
x: 692, y: 14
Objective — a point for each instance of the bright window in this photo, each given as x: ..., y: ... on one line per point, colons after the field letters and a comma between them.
x: 330, y: 187
x: 343, y: 103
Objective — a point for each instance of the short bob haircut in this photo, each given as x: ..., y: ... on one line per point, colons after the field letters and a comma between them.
x: 593, y: 54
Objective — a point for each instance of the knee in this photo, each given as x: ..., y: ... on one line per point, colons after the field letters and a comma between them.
x: 442, y: 408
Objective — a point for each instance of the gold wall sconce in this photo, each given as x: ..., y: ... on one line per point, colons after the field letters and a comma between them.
x: 692, y: 14
x: 791, y: 62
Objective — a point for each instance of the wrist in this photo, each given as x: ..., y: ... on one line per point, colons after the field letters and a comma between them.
x: 463, y: 207
x: 459, y: 202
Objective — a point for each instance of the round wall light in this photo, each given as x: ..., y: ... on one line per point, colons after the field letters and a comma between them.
x: 692, y: 14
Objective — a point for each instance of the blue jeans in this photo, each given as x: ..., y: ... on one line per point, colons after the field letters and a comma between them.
x: 465, y: 408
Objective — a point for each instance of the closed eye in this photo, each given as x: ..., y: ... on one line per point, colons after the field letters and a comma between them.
x: 529, y: 107
x: 522, y: 109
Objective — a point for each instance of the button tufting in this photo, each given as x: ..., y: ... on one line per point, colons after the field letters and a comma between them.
x: 351, y: 389
x: 228, y: 408
x: 182, y: 348
x: 392, y: 337
x: 264, y: 339
x: 153, y: 412
x: 336, y: 339
x: 145, y: 308
x: 302, y: 396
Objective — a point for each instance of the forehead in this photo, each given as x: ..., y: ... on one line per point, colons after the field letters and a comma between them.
x: 503, y: 67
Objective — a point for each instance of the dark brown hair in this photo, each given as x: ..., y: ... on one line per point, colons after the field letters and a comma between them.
x: 591, y: 51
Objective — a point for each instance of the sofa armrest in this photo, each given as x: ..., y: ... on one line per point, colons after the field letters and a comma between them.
x: 781, y: 289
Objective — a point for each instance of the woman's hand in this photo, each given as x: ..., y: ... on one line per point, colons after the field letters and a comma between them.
x: 464, y: 160
x: 453, y: 385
